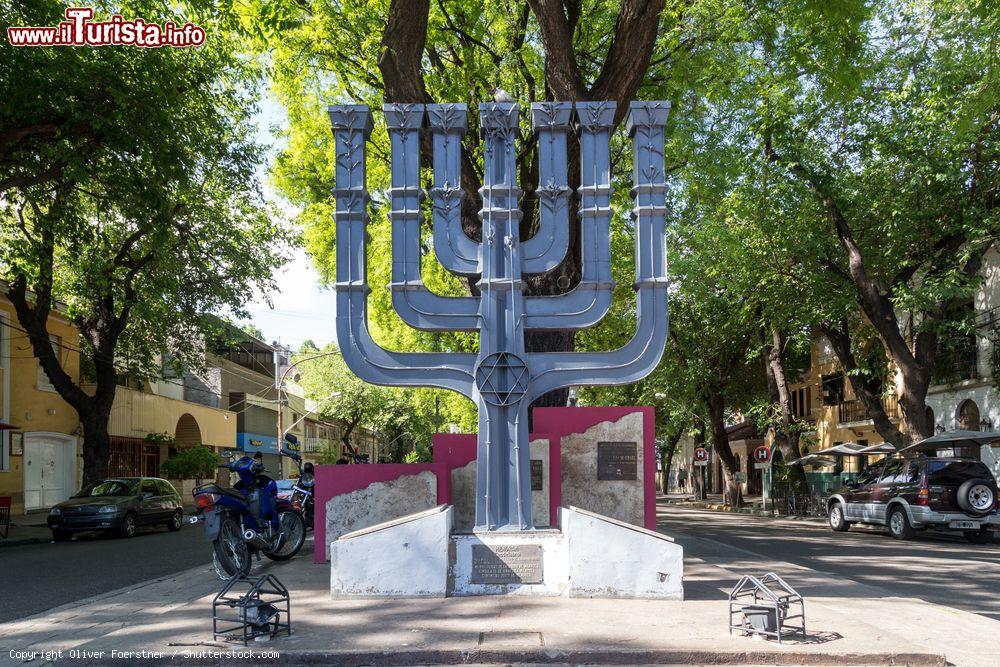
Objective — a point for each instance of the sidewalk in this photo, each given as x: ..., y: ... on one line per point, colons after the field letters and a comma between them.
x: 753, y: 507
x: 847, y: 623
x: 27, y: 529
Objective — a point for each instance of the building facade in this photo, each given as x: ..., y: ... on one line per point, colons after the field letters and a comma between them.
x: 962, y: 395
x: 40, y: 460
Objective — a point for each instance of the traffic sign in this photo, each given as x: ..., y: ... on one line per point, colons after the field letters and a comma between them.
x: 700, y: 456
x: 762, y: 456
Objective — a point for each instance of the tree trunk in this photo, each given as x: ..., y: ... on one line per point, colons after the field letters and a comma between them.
x: 716, y: 405
x: 668, y: 452
x: 786, y: 436
x: 96, y: 446
x: 864, y: 388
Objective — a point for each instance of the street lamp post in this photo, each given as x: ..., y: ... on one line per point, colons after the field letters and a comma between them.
x: 280, y: 384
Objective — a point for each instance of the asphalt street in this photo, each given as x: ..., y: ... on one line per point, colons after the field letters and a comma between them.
x: 938, y: 568
x: 37, y: 577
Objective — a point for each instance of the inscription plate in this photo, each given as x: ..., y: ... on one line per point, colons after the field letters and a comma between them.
x: 537, y: 472
x: 506, y: 564
x: 617, y: 460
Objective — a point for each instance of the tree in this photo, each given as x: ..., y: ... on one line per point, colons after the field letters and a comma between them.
x: 195, y: 462
x: 869, y: 132
x: 464, y: 51
x: 131, y: 196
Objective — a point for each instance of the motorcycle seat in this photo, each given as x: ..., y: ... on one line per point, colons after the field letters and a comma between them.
x: 221, y: 490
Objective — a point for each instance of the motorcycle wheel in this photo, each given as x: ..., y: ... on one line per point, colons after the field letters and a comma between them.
x: 231, y: 552
x: 293, y: 527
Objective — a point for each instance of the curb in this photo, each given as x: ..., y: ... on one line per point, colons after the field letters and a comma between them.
x: 764, y: 514
x: 17, y: 542
x: 211, y: 655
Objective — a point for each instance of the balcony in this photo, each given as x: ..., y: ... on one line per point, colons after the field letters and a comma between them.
x: 315, y: 445
x: 956, y: 364
x: 851, y: 412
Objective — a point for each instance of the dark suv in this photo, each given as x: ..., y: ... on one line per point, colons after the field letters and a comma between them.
x: 907, y: 494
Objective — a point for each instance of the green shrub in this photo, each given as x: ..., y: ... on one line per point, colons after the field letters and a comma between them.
x: 195, y: 462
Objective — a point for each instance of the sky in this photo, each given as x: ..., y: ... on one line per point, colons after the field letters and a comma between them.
x: 302, y: 310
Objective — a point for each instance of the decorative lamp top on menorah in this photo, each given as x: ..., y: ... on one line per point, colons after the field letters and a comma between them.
x: 503, y: 379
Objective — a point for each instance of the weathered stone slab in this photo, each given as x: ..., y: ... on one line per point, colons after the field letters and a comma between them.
x: 463, y: 489
x: 379, y: 502
x: 614, y: 492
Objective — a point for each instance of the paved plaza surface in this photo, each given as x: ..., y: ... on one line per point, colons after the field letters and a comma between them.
x: 937, y: 567
x: 859, y: 619
x: 36, y: 577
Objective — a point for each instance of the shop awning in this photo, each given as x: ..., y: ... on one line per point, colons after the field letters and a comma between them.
x: 952, y: 439
x: 843, y: 449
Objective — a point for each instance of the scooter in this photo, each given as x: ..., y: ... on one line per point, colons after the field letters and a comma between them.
x: 248, y: 519
x: 302, y: 491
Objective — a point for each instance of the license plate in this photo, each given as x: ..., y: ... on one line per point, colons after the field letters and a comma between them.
x: 965, y: 525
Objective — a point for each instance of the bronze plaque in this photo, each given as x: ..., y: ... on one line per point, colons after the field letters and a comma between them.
x: 506, y: 564
x: 537, y: 472
x: 617, y: 460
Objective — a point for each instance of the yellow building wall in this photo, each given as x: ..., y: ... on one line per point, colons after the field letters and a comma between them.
x: 32, y: 407
x: 828, y: 429
x: 135, y: 414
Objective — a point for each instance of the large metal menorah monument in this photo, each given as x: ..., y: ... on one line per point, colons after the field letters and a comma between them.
x: 503, y: 379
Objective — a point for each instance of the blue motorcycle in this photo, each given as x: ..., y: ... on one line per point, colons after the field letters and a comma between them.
x: 248, y: 519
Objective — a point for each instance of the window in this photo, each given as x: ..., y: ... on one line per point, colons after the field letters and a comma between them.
x: 149, y: 488
x: 169, y: 368
x: 824, y: 351
x: 166, y: 488
x: 870, y: 474
x: 42, y: 381
x: 832, y: 389
x: 893, y: 472
x: 968, y: 416
x: 802, y: 402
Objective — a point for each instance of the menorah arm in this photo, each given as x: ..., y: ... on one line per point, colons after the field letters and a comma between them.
x: 368, y: 360
x: 587, y: 303
x: 373, y: 363
x: 639, y: 357
x: 413, y: 302
x: 454, y: 249
x: 546, y: 249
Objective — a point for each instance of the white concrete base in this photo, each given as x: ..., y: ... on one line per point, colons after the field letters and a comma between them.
x: 608, y: 558
x: 553, y: 570
x: 406, y: 557
x: 591, y: 556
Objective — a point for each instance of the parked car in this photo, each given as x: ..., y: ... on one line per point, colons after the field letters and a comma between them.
x: 118, y: 505
x: 285, y: 488
x: 910, y: 494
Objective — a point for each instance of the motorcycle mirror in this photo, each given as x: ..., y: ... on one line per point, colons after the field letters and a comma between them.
x: 291, y: 438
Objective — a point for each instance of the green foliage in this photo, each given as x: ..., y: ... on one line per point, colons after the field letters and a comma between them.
x: 197, y: 462
x: 131, y: 192
x: 399, y: 415
x: 160, y: 439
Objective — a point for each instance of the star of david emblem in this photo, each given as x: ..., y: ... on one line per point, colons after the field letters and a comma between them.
x: 502, y: 378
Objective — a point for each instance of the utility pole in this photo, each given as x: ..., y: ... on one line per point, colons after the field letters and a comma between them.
x: 437, y: 414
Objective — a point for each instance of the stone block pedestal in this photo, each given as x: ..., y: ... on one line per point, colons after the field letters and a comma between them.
x: 529, y: 562
x: 588, y: 556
